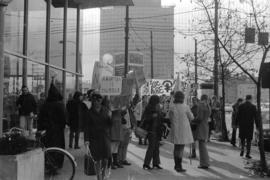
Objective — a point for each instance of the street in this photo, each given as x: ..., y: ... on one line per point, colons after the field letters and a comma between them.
x: 225, y: 164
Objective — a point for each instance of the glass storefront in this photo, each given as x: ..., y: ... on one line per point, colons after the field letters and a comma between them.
x: 36, y: 46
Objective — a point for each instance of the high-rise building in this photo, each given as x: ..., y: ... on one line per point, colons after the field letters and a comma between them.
x: 145, y: 16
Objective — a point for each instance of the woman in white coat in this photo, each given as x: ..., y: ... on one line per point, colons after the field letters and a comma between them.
x: 180, y: 116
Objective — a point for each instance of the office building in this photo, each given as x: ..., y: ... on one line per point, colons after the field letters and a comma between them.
x: 145, y: 16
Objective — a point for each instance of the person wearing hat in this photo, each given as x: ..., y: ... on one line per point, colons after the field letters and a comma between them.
x: 97, y: 135
x: 52, y: 118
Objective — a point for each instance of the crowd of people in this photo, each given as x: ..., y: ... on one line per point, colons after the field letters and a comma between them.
x: 108, y: 130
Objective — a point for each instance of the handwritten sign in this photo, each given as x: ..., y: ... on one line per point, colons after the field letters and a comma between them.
x: 111, y: 85
x: 100, y: 70
x: 157, y: 87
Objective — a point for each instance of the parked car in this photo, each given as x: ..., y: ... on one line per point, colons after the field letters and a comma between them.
x: 266, y: 129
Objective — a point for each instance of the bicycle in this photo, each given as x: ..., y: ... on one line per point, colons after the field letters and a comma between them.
x: 53, y: 169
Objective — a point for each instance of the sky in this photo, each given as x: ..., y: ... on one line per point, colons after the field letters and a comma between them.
x: 184, y: 20
x: 91, y: 18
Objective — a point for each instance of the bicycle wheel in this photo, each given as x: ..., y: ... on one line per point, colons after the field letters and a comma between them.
x: 59, y: 164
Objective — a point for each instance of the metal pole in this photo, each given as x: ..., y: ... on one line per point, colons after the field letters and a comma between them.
x: 126, y: 41
x: 196, y: 68
x: 216, y: 51
x: 25, y: 41
x: 2, y: 23
x: 152, y: 55
x: 77, y: 48
x: 64, y: 50
x: 47, y: 46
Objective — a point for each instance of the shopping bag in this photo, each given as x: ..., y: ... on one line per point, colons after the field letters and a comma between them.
x: 140, y: 132
x: 89, y: 165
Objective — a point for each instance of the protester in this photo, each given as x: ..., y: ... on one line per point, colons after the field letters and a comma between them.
x: 234, y: 120
x: 27, y: 106
x: 152, y: 123
x: 97, y: 135
x: 128, y: 117
x: 73, y: 109
x: 194, y: 110
x: 52, y: 118
x: 180, y: 116
x: 116, y: 137
x: 201, y: 134
x: 138, y: 112
x: 246, y: 117
x: 216, y: 113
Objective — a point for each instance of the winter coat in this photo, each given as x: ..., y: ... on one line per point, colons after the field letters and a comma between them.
x: 203, y: 114
x: 52, y: 118
x: 84, y: 114
x: 116, y: 129
x: 73, y: 109
x: 234, y: 115
x: 27, y: 104
x: 247, y: 116
x: 152, y: 122
x: 181, y: 115
x: 97, y: 132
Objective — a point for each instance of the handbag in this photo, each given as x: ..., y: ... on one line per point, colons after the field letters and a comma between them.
x: 140, y: 132
x: 89, y: 165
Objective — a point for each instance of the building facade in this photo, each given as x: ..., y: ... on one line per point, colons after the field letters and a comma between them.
x: 37, y: 52
x: 144, y: 17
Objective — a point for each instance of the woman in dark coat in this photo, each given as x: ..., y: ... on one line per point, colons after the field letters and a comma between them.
x: 152, y: 122
x: 52, y: 118
x: 73, y: 109
x: 97, y: 135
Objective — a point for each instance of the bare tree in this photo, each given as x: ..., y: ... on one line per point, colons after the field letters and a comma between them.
x: 257, y: 12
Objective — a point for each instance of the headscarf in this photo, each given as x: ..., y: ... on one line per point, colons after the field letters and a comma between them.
x: 54, y: 94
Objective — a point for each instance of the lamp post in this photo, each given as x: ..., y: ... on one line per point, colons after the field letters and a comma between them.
x: 3, y: 3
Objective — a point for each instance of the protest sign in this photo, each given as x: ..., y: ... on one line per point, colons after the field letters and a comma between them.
x: 100, y: 69
x: 110, y: 85
x: 127, y: 86
x: 157, y: 87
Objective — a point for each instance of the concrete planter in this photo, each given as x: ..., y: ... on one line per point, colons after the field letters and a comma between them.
x: 25, y: 166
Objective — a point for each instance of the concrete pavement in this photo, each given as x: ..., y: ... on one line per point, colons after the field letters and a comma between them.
x: 225, y: 164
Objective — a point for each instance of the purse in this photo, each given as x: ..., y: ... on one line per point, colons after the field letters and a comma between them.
x: 89, y: 165
x: 140, y: 132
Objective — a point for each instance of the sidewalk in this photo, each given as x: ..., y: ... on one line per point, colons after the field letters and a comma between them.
x: 224, y: 159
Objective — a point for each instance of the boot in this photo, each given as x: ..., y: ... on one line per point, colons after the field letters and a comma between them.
x: 115, y: 161
x: 178, y: 165
x: 193, y: 155
x: 176, y: 162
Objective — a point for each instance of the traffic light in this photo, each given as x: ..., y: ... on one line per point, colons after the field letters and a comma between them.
x: 250, y: 35
x: 263, y: 38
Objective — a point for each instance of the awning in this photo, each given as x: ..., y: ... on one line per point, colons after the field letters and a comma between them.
x: 85, y: 4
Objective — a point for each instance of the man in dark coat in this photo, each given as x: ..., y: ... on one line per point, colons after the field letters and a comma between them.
x: 27, y: 106
x: 246, y: 116
x: 52, y: 118
x: 97, y: 135
x: 73, y: 109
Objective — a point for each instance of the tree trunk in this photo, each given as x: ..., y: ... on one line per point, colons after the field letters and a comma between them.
x: 223, y: 117
x: 260, y: 128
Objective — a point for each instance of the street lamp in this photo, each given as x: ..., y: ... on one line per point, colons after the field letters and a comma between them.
x: 3, y: 3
